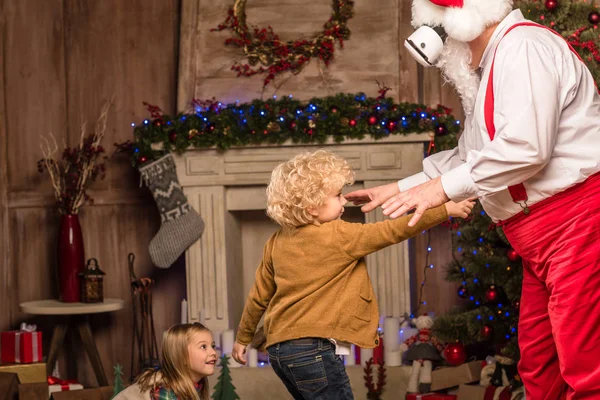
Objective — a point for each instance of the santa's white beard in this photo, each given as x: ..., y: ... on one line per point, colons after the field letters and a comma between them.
x: 454, y: 63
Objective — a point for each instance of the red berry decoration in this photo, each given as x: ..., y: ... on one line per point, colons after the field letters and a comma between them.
x: 352, y: 123
x: 441, y: 130
x: 486, y: 331
x: 157, y: 122
x: 333, y: 109
x: 293, y: 125
x: 392, y: 125
x: 372, y: 120
x: 594, y: 17
x: 512, y: 255
x: 462, y: 292
x: 492, y: 295
x: 173, y: 137
x: 142, y: 159
x: 551, y: 5
x: 455, y: 353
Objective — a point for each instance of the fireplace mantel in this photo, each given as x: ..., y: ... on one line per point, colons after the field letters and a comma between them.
x: 223, y: 184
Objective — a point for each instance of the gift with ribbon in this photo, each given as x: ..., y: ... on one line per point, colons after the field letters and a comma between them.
x: 62, y: 385
x: 23, y: 346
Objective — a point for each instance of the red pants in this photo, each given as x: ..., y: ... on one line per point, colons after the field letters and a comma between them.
x: 559, y: 324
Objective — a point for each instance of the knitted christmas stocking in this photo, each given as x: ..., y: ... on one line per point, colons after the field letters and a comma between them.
x: 181, y: 225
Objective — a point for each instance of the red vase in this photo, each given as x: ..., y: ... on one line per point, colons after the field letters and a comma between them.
x: 71, y: 258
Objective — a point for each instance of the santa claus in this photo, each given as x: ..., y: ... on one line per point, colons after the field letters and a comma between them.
x: 530, y: 152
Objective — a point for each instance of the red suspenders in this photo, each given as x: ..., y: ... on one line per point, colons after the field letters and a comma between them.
x: 517, y: 192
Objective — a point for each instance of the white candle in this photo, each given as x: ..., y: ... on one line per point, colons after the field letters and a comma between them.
x: 350, y: 359
x: 365, y: 355
x: 227, y: 341
x: 393, y: 358
x: 252, y: 357
x: 184, y: 318
x: 391, y: 326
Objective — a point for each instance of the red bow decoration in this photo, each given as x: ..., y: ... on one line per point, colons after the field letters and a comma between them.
x: 64, y: 383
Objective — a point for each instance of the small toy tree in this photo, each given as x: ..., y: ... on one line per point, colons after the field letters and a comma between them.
x: 224, y: 389
x: 118, y: 385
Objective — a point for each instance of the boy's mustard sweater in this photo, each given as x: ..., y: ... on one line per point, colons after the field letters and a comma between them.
x: 313, y: 281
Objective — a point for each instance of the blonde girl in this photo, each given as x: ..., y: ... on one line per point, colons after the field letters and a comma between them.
x: 188, y: 358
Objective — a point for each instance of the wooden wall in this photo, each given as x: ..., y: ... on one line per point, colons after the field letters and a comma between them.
x: 62, y: 59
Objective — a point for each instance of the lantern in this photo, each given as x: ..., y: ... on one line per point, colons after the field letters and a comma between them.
x: 92, y: 278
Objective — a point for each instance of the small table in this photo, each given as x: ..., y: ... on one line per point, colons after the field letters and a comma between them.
x: 55, y: 307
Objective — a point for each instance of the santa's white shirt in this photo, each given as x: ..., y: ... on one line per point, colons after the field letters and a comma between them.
x: 547, y: 118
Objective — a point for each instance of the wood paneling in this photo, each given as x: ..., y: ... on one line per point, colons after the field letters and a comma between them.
x: 62, y: 59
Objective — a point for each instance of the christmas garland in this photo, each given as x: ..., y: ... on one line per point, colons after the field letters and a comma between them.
x: 278, y: 120
x: 263, y: 45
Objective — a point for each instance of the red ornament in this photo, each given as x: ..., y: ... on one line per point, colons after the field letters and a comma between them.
x: 392, y: 125
x: 492, y: 294
x: 594, y: 17
x: 512, y: 255
x: 372, y: 120
x: 173, y: 137
x: 333, y: 109
x: 157, y: 122
x: 310, y: 131
x: 486, y: 331
x: 455, y: 353
x: 293, y: 125
x: 462, y: 292
x: 551, y: 5
x: 142, y: 159
x: 441, y: 130
x: 352, y: 123
x: 516, y: 305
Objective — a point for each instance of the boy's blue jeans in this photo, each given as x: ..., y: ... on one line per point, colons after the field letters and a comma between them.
x: 310, y: 369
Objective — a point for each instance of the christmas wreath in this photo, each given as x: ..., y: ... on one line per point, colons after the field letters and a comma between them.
x: 263, y: 45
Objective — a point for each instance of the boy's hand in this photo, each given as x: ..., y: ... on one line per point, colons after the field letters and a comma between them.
x: 460, y: 210
x: 238, y: 353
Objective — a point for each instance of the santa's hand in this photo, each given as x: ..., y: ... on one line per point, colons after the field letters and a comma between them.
x: 372, y: 197
x: 420, y: 198
x: 403, y: 347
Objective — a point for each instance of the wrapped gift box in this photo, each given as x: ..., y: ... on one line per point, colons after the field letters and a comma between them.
x: 28, y: 373
x: 447, y: 377
x: 21, y: 347
x: 430, y: 396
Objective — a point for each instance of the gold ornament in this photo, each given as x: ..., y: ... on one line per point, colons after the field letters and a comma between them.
x: 192, y: 133
x: 311, y: 124
x: 273, y: 127
x: 345, y: 121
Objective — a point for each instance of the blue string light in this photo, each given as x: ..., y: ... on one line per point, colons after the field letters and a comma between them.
x: 479, y: 317
x: 133, y: 124
x: 475, y: 280
x: 146, y: 122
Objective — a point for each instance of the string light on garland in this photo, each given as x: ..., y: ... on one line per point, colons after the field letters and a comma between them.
x: 338, y: 117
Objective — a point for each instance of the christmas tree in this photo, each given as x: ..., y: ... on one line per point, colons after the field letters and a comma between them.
x: 489, y: 272
x: 576, y: 20
x: 118, y: 385
x: 224, y: 389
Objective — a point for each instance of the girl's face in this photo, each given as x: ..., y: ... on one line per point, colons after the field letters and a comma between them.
x: 333, y: 207
x: 203, y: 357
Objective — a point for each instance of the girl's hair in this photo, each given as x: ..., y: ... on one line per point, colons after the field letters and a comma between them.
x: 175, y: 372
x: 303, y: 184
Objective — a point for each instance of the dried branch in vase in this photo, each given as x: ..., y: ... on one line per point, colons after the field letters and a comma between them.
x: 77, y: 168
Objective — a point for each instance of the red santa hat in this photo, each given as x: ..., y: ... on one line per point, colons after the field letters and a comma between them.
x: 463, y: 20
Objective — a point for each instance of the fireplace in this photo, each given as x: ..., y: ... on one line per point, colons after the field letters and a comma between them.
x: 227, y: 188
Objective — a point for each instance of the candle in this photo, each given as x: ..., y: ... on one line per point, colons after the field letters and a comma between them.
x: 391, y: 326
x: 393, y: 358
x: 184, y: 318
x: 350, y: 359
x: 252, y: 357
x: 365, y: 355
x: 227, y: 342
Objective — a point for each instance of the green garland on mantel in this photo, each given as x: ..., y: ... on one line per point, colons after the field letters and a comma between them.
x: 278, y: 120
